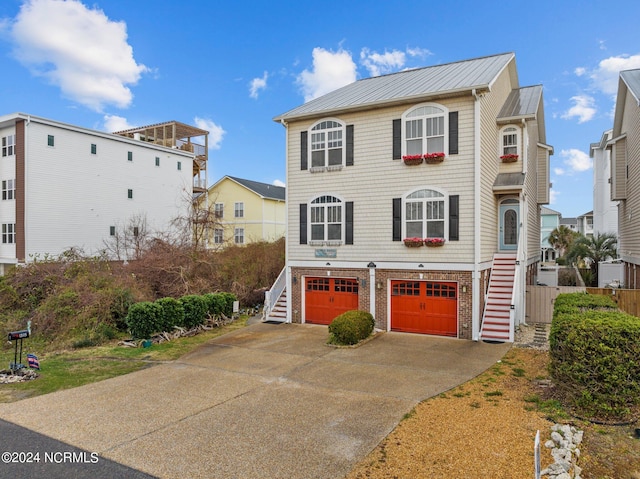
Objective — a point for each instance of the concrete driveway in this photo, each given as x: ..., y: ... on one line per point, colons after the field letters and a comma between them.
x: 264, y: 401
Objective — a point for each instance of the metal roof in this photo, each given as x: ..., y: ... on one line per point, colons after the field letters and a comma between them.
x: 548, y: 211
x: 632, y: 80
x: 521, y: 103
x: 261, y: 189
x: 433, y: 81
x: 509, y: 182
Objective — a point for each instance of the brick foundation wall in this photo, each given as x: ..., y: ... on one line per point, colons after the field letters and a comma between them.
x: 382, y: 278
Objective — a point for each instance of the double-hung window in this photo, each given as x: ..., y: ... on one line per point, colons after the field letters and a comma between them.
x: 327, y: 144
x: 219, y: 210
x: 239, y: 210
x: 425, y: 130
x: 8, y: 145
x: 326, y: 219
x: 510, y: 141
x: 8, y: 189
x: 8, y: 233
x: 218, y: 237
x: 238, y: 235
x: 425, y: 214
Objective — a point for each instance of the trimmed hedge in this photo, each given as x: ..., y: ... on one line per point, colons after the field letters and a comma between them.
x: 195, y: 310
x: 351, y: 327
x: 595, y: 355
x: 144, y: 319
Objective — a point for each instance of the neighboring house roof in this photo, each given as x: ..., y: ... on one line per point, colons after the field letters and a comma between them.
x: 548, y: 211
x: 568, y: 221
x: 632, y: 79
x: 411, y: 85
x: 263, y: 190
x: 588, y: 213
x: 606, y: 136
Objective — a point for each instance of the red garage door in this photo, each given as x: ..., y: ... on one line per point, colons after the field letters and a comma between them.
x: 424, y: 307
x: 326, y: 298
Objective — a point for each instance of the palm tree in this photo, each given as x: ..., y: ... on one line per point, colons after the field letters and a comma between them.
x: 593, y: 250
x: 562, y: 238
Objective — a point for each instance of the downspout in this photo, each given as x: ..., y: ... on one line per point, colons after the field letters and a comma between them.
x: 476, y: 289
x: 286, y: 222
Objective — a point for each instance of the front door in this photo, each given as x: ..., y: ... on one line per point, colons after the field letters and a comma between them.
x: 509, y: 224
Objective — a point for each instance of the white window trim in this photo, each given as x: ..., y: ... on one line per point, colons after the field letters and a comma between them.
x: 237, y: 232
x: 9, y: 147
x: 325, y: 240
x: 221, y: 208
x: 218, y: 234
x: 445, y: 199
x: 519, y: 140
x: 238, y: 207
x: 446, y: 125
x: 326, y: 166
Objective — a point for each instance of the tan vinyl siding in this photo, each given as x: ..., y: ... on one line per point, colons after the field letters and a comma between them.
x: 629, y: 209
x: 490, y: 105
x: 530, y: 208
x: 375, y: 180
x: 619, y: 170
x: 543, y: 175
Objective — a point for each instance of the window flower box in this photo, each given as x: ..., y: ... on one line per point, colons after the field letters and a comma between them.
x: 434, y: 241
x: 509, y: 158
x: 433, y: 158
x: 413, y: 242
x: 412, y: 159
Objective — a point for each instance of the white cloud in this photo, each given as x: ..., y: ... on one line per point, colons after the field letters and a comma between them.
x: 553, y: 196
x: 258, y: 84
x: 583, y: 109
x: 113, y: 123
x: 558, y: 171
x: 576, y: 160
x: 216, y: 133
x: 279, y: 183
x: 418, y: 52
x: 331, y: 70
x: 382, y: 63
x: 78, y: 49
x: 605, y: 77
x: 580, y: 71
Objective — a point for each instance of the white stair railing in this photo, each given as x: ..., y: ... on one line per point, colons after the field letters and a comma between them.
x: 271, y: 296
x: 516, y: 313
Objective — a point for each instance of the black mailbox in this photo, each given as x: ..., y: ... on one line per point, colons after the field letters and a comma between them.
x: 15, y: 335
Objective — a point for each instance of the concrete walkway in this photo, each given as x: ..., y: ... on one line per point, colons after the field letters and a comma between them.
x: 264, y: 401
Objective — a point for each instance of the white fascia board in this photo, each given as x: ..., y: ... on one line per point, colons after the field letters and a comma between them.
x: 381, y: 265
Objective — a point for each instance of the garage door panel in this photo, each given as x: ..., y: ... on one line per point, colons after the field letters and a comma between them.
x: 424, y: 307
x: 326, y: 298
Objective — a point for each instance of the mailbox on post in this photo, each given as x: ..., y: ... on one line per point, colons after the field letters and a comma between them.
x: 17, y: 336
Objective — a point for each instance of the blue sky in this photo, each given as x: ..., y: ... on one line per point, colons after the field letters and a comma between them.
x: 230, y: 67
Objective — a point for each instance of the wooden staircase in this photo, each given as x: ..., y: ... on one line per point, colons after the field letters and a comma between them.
x: 496, y: 321
x: 279, y: 311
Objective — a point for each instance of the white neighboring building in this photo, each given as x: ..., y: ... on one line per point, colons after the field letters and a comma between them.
x: 605, y: 211
x: 65, y: 186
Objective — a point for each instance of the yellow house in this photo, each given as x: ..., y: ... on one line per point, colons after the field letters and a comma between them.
x: 247, y: 211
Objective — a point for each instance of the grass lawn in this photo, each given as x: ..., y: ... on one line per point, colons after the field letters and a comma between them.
x: 69, y: 369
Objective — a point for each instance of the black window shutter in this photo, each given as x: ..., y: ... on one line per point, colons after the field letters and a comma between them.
x: 397, y: 139
x: 348, y: 216
x: 349, y: 156
x: 397, y: 219
x: 303, y: 223
x: 303, y: 150
x: 453, y: 132
x: 454, y: 218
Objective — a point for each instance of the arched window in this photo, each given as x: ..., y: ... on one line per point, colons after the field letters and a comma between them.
x: 510, y: 141
x: 326, y: 219
x: 425, y: 214
x: 326, y: 144
x: 425, y: 130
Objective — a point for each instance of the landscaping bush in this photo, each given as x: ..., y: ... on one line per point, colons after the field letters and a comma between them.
x: 215, y: 304
x: 229, y: 299
x: 595, y: 356
x: 195, y: 310
x: 143, y: 319
x: 171, y: 313
x: 351, y: 327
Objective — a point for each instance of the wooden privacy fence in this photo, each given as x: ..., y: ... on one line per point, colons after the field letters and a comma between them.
x: 540, y: 301
x: 628, y: 299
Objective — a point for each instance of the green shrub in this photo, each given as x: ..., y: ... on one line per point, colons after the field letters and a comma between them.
x: 216, y: 304
x: 595, y: 355
x: 351, y: 327
x: 171, y: 313
x: 195, y: 310
x: 143, y: 319
x: 229, y: 299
